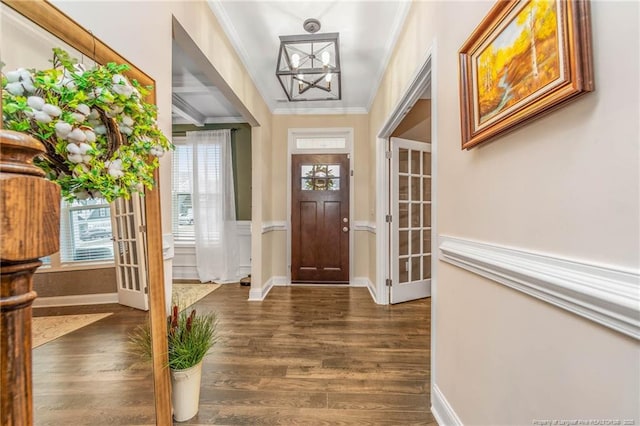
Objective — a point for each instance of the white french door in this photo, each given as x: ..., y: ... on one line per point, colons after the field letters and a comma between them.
x: 411, y: 220
x: 129, y: 251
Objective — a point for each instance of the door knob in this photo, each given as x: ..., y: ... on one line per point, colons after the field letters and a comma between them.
x: 345, y: 229
x: 345, y: 220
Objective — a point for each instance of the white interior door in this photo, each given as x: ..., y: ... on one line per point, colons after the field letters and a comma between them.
x: 411, y: 220
x: 129, y: 251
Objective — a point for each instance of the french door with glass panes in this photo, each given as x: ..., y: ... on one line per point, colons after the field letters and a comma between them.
x: 129, y: 251
x: 411, y: 220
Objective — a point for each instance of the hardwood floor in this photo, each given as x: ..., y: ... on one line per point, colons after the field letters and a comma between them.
x: 306, y: 355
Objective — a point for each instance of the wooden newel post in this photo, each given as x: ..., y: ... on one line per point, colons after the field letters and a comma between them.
x: 29, y: 230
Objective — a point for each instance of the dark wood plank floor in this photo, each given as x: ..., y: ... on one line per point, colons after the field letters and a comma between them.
x: 306, y: 355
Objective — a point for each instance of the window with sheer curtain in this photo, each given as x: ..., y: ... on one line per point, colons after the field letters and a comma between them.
x: 203, y: 202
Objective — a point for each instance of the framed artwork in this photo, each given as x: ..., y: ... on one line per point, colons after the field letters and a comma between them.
x: 526, y: 58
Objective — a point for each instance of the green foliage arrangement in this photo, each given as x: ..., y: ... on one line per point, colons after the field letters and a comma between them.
x: 190, y: 337
x: 101, y: 137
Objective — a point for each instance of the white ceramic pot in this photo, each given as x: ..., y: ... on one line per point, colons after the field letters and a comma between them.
x: 185, y: 392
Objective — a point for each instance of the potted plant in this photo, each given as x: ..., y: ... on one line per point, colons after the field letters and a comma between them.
x: 101, y: 137
x: 190, y: 337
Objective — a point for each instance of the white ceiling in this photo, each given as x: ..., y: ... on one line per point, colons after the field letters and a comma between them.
x: 368, y: 32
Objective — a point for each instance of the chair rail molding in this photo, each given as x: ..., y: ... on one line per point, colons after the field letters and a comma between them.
x: 605, y: 294
x: 361, y: 225
x: 280, y: 225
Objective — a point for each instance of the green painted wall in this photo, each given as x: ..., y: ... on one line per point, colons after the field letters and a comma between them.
x: 241, y: 152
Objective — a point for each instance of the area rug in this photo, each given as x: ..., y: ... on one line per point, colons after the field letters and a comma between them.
x: 46, y: 329
x: 185, y: 295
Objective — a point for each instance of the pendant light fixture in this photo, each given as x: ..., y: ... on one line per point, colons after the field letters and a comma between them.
x: 309, y: 65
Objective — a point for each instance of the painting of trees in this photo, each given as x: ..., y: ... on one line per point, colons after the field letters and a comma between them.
x: 522, y: 59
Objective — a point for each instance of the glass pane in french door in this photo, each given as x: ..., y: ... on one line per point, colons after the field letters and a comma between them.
x: 414, y: 227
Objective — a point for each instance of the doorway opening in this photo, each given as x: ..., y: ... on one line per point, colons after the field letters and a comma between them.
x: 319, y: 196
x: 406, y: 188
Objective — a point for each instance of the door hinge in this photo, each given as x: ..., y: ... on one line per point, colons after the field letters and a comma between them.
x: 146, y: 290
x: 388, y: 155
x: 142, y: 228
x: 351, y: 172
x: 389, y: 282
x: 388, y: 218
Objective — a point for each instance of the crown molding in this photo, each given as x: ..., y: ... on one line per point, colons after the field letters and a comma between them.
x: 234, y: 39
x: 320, y: 111
x: 389, y: 49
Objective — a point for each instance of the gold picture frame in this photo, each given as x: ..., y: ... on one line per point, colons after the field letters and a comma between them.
x: 526, y: 58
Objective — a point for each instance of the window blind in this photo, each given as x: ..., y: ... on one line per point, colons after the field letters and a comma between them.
x: 181, y: 190
x: 85, y: 231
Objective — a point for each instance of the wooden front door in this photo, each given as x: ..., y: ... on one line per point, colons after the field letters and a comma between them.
x: 320, y: 218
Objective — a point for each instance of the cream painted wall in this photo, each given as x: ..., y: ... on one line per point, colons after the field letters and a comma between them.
x: 278, y: 189
x: 416, y: 125
x: 567, y: 184
x: 143, y: 35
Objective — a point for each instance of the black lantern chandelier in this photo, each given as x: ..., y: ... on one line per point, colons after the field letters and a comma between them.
x: 309, y: 65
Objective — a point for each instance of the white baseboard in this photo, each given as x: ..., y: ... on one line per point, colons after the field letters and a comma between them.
x: 359, y: 282
x: 365, y: 282
x: 76, y: 300
x: 280, y: 281
x: 442, y: 410
x: 604, y: 294
x: 259, y: 294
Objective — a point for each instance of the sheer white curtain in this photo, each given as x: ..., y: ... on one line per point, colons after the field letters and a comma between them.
x: 214, y: 211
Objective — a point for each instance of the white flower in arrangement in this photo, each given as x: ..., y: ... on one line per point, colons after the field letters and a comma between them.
x: 63, y: 129
x: 100, y: 130
x: 121, y: 86
x: 77, y: 117
x: 157, y: 151
x: 77, y: 135
x: 91, y: 137
x: 85, y: 148
x: 13, y: 76
x: 126, y: 120
x: 93, y: 114
x: 84, y: 109
x: 52, y: 110
x: 42, y: 117
x: 115, y: 168
x: 112, y: 111
x: 35, y: 102
x: 75, y: 158
x: 72, y: 148
x: 15, y: 88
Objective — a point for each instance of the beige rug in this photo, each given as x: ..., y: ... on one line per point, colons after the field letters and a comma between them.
x: 185, y: 295
x: 46, y: 329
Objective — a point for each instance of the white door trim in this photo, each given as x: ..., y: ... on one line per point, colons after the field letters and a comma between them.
x: 347, y: 133
x: 422, y: 79
x: 425, y: 76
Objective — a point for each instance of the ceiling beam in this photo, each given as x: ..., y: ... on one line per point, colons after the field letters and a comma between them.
x: 186, y: 111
